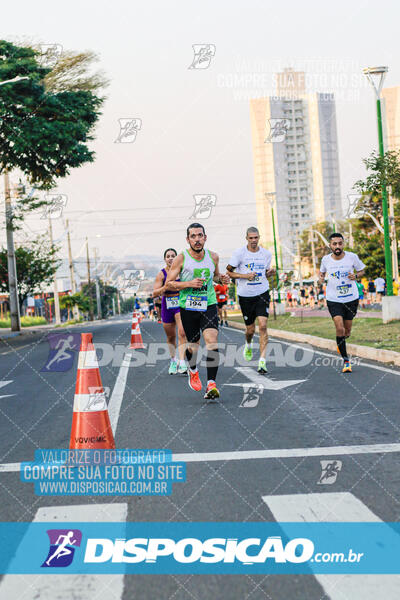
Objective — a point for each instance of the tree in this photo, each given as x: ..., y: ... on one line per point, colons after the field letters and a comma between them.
x: 326, y: 228
x: 368, y: 239
x: 71, y: 72
x: 67, y: 302
x: 42, y: 133
x: 127, y: 305
x: 382, y: 170
x: 36, y: 265
x: 82, y: 302
x: 107, y: 293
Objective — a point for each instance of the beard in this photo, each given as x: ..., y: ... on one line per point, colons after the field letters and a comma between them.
x: 197, y: 248
x: 337, y: 251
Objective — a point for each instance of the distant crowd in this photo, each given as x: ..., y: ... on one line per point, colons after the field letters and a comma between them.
x: 370, y: 292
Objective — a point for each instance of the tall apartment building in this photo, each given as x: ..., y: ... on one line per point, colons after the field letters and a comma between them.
x: 391, y: 117
x: 296, y: 162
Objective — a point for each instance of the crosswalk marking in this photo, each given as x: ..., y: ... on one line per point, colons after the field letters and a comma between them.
x: 65, y: 587
x: 338, y: 507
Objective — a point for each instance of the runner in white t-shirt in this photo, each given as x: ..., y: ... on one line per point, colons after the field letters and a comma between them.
x: 342, y: 270
x: 380, y: 288
x: 250, y: 266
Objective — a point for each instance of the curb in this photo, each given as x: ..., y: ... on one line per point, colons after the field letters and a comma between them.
x: 377, y: 354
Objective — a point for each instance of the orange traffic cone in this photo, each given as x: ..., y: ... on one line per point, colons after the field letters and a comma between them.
x: 136, y: 336
x: 91, y: 428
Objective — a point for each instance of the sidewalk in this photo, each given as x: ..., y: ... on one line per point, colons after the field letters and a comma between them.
x: 6, y: 332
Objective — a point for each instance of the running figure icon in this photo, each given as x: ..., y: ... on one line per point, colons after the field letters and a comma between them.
x: 62, y: 346
x: 62, y: 549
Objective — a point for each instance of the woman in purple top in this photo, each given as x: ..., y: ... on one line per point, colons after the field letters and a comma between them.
x: 171, y: 317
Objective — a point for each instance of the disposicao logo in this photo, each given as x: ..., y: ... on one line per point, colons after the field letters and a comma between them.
x: 191, y: 550
x: 62, y: 547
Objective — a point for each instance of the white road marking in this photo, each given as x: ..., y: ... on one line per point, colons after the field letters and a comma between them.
x: 336, y: 507
x: 2, y: 384
x: 263, y: 380
x: 114, y: 406
x: 286, y: 453
x: 259, y: 454
x: 65, y: 587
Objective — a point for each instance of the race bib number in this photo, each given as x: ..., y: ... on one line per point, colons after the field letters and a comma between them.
x: 256, y: 280
x: 222, y: 297
x: 172, y: 301
x: 196, y: 303
x: 343, y: 290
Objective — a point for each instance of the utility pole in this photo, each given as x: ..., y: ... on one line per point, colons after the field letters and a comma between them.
x: 313, y: 254
x: 97, y: 286
x: 55, y: 286
x: 91, y: 317
x: 75, y: 309
x: 270, y: 196
x: 12, y: 265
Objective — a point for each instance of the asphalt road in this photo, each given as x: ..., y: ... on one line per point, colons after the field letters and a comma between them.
x: 324, y: 409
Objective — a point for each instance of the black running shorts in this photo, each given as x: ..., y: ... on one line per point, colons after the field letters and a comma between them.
x: 347, y: 310
x: 195, y: 321
x: 254, y: 306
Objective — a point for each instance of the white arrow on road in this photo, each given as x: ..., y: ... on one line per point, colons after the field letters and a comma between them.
x: 263, y: 380
x: 2, y: 384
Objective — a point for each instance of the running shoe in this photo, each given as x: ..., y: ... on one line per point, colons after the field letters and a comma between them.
x: 226, y: 324
x: 212, y: 391
x: 262, y: 367
x: 346, y: 367
x: 173, y: 367
x: 182, y: 369
x: 248, y: 352
x: 194, y: 381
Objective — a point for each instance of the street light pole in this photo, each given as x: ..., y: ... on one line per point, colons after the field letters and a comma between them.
x: 98, y: 303
x: 299, y: 256
x: 75, y: 309
x: 55, y: 285
x: 91, y: 317
x: 394, y: 239
x: 381, y: 72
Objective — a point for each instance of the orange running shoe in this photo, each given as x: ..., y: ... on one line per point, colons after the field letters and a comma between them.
x: 194, y: 381
x: 212, y: 392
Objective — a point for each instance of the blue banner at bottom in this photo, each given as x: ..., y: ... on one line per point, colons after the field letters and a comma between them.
x: 314, y: 548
